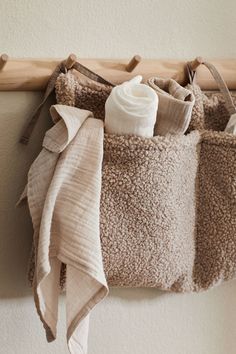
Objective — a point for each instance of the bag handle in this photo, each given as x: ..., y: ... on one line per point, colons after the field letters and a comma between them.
x: 61, y: 68
x: 220, y: 82
x: 36, y: 113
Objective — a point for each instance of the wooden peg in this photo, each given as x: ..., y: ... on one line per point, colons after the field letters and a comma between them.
x: 3, y: 60
x: 133, y: 63
x: 70, y: 61
x: 195, y: 63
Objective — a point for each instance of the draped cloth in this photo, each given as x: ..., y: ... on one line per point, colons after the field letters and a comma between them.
x: 63, y: 192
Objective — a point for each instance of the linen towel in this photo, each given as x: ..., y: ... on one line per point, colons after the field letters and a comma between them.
x: 175, y: 106
x: 63, y: 191
x: 131, y: 109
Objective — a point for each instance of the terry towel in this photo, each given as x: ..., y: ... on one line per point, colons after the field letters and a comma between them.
x: 131, y: 109
x: 63, y: 191
x: 175, y: 106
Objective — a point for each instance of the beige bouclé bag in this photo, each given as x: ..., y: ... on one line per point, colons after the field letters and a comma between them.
x: 168, y: 203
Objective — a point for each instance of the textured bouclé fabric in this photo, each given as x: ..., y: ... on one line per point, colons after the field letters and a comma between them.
x: 216, y: 213
x: 73, y: 89
x: 147, y: 214
x: 215, y: 259
x: 209, y: 111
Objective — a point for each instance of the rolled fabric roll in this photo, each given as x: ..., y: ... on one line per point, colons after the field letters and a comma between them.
x: 131, y: 109
x: 175, y: 106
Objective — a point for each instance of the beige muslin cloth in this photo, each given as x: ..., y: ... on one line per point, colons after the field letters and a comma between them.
x: 175, y: 106
x: 63, y: 191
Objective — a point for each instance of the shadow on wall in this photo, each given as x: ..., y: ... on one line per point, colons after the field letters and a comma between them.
x: 141, y: 295
x: 15, y: 159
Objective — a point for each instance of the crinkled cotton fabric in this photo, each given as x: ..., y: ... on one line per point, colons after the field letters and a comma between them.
x: 63, y: 193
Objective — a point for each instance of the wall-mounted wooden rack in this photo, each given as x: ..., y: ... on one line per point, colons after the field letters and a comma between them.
x: 33, y: 74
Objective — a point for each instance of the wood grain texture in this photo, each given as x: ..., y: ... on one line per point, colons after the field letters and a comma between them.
x: 33, y: 74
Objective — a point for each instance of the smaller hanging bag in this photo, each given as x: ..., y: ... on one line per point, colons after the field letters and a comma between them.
x: 215, y: 259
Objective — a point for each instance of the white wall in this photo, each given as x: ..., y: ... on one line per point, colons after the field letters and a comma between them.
x: 129, y: 321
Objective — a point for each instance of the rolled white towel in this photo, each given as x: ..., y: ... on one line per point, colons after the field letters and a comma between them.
x: 131, y: 108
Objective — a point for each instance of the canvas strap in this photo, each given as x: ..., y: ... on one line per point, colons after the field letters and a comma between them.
x: 220, y: 82
x: 61, y: 68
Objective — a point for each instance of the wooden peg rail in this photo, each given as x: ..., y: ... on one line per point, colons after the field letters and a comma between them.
x: 3, y: 60
x: 33, y: 74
